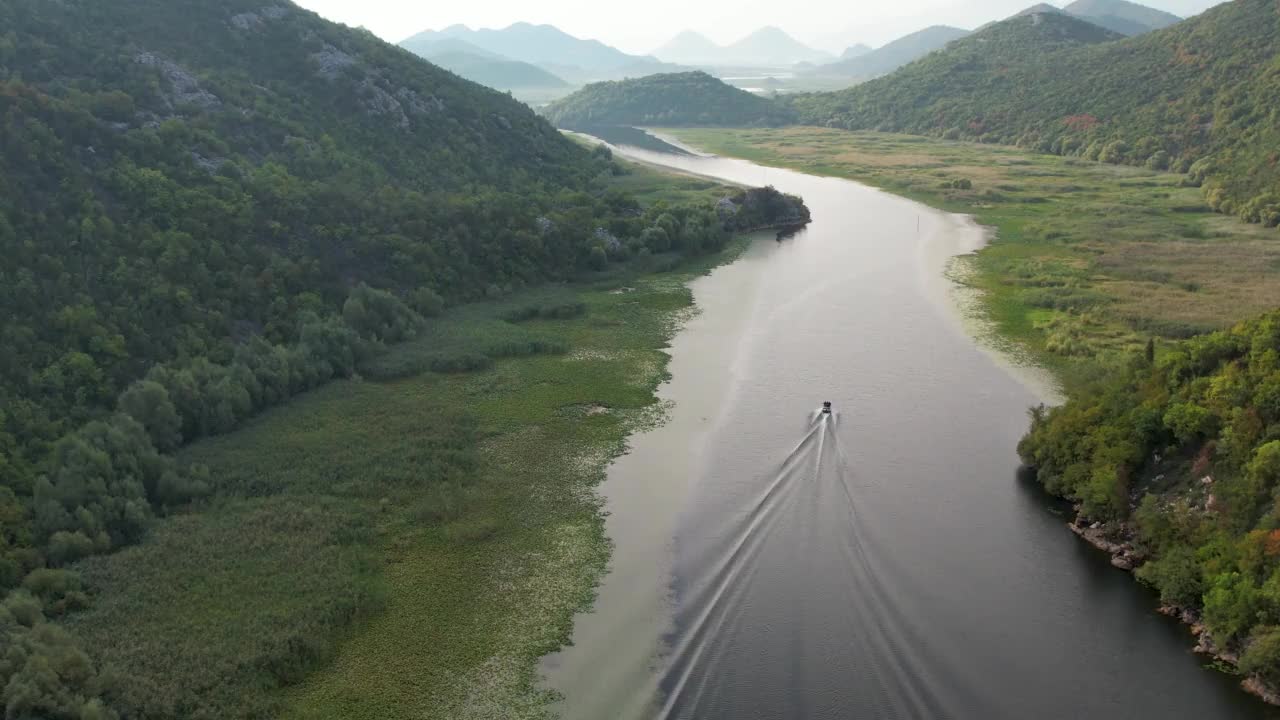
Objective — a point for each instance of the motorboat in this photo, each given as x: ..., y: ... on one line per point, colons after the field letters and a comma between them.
x: 826, y: 408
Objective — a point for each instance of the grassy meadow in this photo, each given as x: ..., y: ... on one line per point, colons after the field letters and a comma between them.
x: 1088, y: 260
x: 407, y: 543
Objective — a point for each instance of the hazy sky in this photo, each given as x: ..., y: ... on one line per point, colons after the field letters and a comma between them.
x: 639, y: 27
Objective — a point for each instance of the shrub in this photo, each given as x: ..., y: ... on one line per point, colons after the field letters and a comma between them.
x: 1176, y: 576
x: 1262, y: 655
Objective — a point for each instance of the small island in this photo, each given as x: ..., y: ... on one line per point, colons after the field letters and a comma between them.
x: 763, y: 208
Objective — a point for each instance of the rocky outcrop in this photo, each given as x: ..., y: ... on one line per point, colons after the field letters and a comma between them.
x: 330, y: 62
x: 184, y: 88
x: 255, y: 20
x: 209, y: 165
x: 418, y: 105
x: 374, y: 98
x: 377, y: 101
x: 1116, y: 541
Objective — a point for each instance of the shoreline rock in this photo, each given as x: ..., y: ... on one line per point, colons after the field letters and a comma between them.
x: 1125, y: 557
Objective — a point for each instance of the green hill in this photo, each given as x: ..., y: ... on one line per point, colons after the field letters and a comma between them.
x: 479, y: 65
x: 1197, y: 96
x: 692, y: 98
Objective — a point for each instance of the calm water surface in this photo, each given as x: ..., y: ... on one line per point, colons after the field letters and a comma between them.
x: 883, y: 562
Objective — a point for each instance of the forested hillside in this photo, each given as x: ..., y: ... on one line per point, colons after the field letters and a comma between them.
x: 1198, y: 96
x: 692, y: 98
x: 207, y: 208
x: 167, y: 195
x: 1180, y: 456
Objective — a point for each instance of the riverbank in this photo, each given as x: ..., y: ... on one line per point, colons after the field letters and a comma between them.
x: 1088, y: 261
x: 1117, y: 541
x: 409, y: 543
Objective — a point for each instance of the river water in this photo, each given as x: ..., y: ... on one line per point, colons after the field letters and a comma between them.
x: 882, y: 562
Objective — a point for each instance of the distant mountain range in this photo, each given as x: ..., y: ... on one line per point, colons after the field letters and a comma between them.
x: 1118, y: 16
x: 482, y: 66
x: 525, y: 55
x: 556, y: 52
x: 768, y: 46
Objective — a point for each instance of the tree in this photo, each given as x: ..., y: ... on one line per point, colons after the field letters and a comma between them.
x: 44, y: 674
x: 1189, y: 422
x: 1262, y: 655
x: 427, y: 302
x: 100, y: 481
x: 1230, y: 606
x: 1177, y: 576
x: 148, y: 402
x: 598, y: 259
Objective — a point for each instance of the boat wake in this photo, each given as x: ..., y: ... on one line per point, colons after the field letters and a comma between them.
x: 799, y: 535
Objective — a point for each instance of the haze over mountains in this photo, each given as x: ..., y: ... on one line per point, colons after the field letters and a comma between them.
x: 1197, y: 95
x: 484, y: 67
x: 768, y: 46
x: 541, y: 62
x: 564, y: 56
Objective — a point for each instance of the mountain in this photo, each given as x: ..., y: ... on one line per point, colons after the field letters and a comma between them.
x: 542, y: 45
x: 479, y: 65
x: 855, y: 51
x: 1037, y: 9
x: 497, y: 73
x: 766, y: 47
x: 1121, y: 16
x: 690, y: 48
x: 426, y: 46
x: 894, y: 55
x: 1199, y: 95
x: 770, y: 46
x: 692, y: 98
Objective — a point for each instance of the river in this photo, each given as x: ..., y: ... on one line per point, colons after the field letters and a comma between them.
x: 885, y: 561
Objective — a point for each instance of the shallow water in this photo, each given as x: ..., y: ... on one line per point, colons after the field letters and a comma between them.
x: 881, y: 562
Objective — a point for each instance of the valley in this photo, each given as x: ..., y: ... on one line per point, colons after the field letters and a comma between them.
x: 482, y: 362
